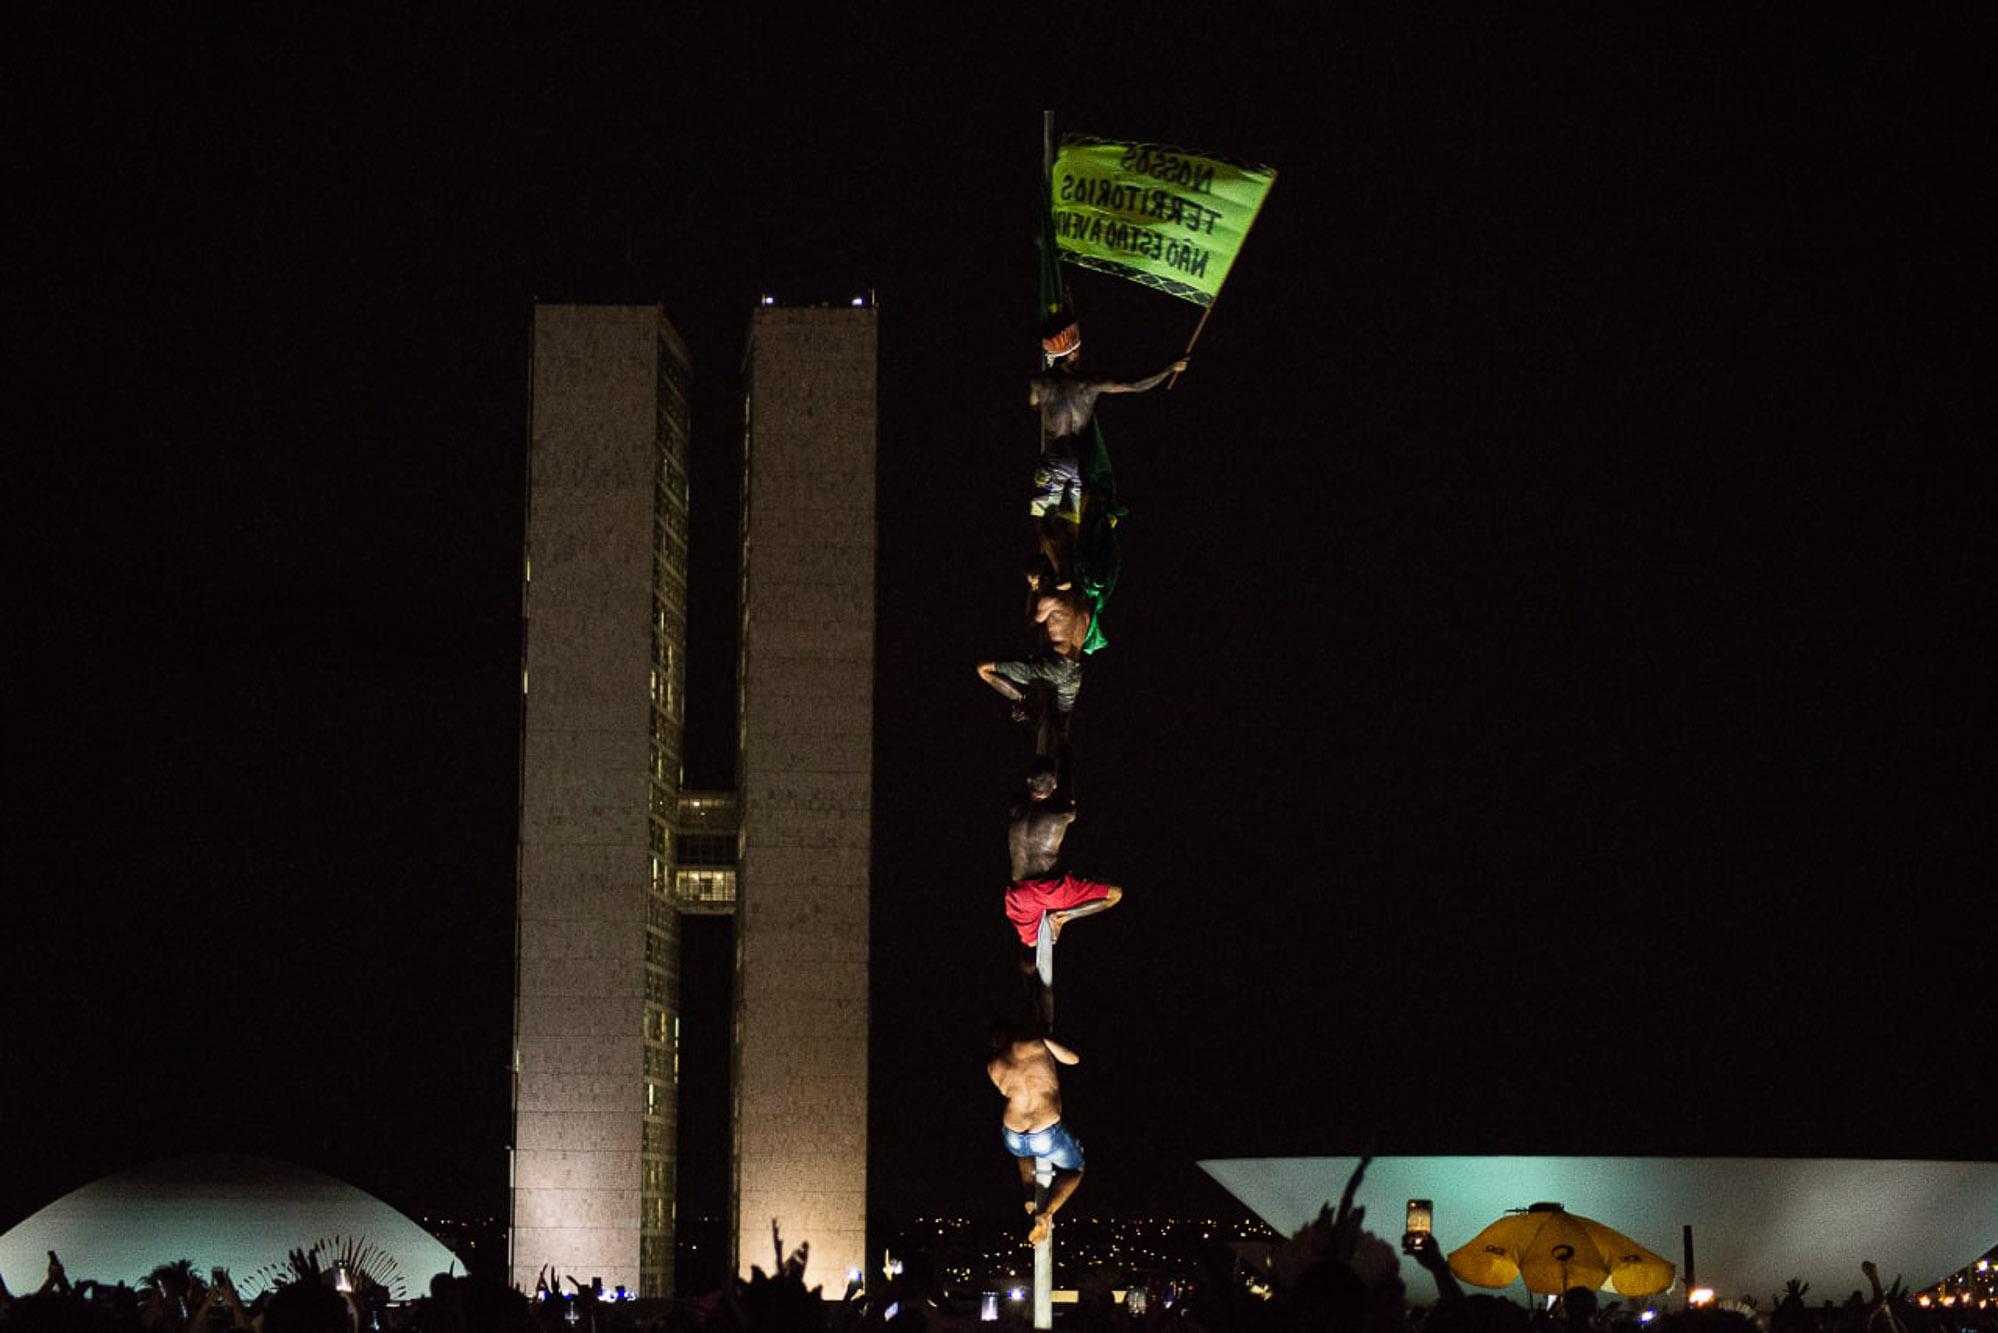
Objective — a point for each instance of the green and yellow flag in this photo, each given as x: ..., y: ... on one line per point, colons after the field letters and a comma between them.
x: 1164, y: 217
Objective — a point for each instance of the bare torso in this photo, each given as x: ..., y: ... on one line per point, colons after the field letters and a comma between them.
x: 1034, y: 834
x: 1066, y: 402
x: 1025, y: 1073
x: 1067, y: 399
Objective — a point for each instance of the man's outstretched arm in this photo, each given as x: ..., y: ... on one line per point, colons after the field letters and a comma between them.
x: 1149, y: 382
x: 989, y: 673
x: 1061, y: 1052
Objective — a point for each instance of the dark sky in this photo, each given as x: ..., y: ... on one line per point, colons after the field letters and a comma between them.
x: 1546, y: 705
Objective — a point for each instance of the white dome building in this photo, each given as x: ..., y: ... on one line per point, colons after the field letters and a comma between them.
x: 1756, y: 1221
x: 245, y: 1214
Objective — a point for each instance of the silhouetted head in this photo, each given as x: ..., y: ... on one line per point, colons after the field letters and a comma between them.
x: 1004, y: 1032
x: 1042, y: 779
x: 305, y: 1306
x: 1478, y: 1314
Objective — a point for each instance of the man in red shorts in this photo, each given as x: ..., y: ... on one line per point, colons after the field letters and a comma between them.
x: 1040, y: 885
x: 1063, y: 896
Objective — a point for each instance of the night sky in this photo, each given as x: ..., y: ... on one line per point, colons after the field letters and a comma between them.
x: 1546, y: 708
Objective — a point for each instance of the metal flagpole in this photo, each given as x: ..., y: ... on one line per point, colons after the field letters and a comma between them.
x: 1044, y: 965
x: 1044, y: 960
x: 1043, y: 1252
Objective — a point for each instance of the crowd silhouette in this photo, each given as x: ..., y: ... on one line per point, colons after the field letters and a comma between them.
x: 1332, y: 1276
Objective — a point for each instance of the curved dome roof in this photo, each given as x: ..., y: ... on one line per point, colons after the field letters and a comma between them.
x: 244, y: 1214
x: 1757, y: 1221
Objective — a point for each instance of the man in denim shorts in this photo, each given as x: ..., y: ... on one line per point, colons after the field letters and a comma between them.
x: 1022, y: 1067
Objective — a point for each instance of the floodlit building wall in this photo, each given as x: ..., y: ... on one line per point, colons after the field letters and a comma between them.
x: 805, y: 783
x: 602, y: 682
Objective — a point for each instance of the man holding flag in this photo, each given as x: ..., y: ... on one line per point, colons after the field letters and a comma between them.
x: 1162, y: 217
x: 1066, y: 399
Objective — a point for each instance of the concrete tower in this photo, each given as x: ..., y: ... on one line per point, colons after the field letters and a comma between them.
x: 612, y: 852
x: 805, y: 784
x: 602, y: 681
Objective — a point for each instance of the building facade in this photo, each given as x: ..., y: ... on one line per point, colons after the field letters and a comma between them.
x: 603, y: 682
x: 805, y: 782
x: 612, y: 852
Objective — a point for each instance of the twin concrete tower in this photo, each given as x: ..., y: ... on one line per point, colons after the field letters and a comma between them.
x: 613, y: 852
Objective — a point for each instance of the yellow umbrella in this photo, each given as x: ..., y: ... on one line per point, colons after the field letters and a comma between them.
x: 1554, y: 1249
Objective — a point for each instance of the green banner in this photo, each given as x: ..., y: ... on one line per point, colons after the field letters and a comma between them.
x: 1160, y: 216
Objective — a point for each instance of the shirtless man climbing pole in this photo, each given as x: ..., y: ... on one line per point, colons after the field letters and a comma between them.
x: 1022, y: 1066
x: 1037, y: 824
